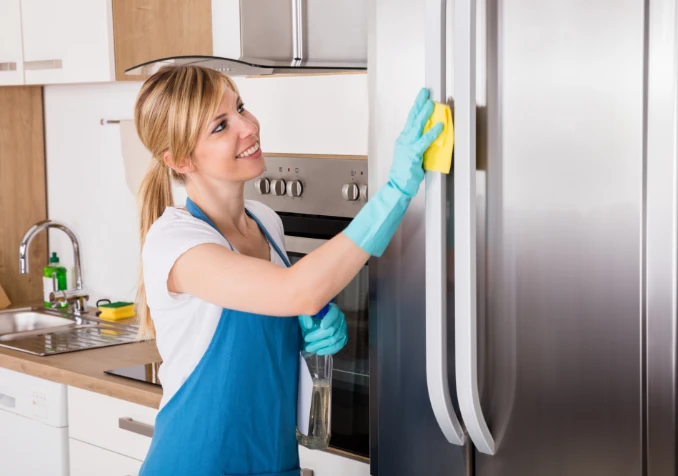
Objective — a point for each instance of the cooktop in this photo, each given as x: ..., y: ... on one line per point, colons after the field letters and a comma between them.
x: 144, y: 373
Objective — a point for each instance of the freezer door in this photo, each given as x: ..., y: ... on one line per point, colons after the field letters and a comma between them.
x: 563, y: 335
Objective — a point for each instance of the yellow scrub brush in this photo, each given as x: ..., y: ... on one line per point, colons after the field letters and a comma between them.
x: 438, y: 157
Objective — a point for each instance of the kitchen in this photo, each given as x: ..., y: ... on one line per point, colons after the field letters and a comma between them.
x: 88, y: 184
x: 518, y: 373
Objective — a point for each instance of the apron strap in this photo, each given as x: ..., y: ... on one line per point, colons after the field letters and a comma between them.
x: 194, y: 210
x: 270, y: 240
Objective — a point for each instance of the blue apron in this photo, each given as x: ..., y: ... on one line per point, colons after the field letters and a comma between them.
x: 236, y: 412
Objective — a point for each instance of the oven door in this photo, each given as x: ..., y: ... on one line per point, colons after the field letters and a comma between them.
x: 350, y: 378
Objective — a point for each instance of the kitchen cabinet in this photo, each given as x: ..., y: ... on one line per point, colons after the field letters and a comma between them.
x: 47, y: 42
x: 11, y: 48
x: 146, y: 30
x: 23, y: 200
x: 98, y: 445
x: 113, y: 425
x: 107, y: 436
x: 86, y: 460
x: 70, y: 41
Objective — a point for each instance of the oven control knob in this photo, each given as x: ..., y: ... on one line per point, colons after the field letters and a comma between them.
x: 263, y: 186
x: 294, y: 189
x: 278, y: 187
x: 350, y: 192
x: 363, y: 193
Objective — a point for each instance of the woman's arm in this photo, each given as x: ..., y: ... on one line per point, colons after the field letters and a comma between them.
x: 233, y: 281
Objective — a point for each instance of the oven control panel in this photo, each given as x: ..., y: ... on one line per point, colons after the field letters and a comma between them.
x: 311, y: 186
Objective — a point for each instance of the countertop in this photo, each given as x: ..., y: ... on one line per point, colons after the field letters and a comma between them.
x: 85, y: 369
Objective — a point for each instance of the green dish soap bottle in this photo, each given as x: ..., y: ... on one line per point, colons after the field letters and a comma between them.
x: 47, y: 279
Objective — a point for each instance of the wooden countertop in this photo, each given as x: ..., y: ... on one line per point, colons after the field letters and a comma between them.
x: 85, y: 369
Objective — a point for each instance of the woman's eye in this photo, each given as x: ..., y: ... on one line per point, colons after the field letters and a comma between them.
x: 241, y: 108
x: 220, y: 127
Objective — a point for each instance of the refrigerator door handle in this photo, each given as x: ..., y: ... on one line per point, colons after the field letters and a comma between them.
x: 436, y: 264
x: 466, y: 353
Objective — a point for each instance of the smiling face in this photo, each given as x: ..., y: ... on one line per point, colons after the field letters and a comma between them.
x: 228, y: 148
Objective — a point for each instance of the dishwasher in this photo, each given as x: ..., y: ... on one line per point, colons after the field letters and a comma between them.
x: 33, y: 426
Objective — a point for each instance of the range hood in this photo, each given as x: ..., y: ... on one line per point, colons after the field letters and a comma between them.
x: 281, y: 37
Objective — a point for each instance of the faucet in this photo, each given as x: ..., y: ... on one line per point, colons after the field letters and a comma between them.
x: 76, y: 297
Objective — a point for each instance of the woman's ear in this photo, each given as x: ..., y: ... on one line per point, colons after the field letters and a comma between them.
x: 183, y: 168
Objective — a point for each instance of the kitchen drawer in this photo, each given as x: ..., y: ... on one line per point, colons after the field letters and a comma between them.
x: 88, y: 460
x: 97, y: 419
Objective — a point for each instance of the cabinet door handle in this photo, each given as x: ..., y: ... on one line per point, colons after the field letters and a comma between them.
x: 8, y: 66
x: 43, y: 64
x: 143, y: 429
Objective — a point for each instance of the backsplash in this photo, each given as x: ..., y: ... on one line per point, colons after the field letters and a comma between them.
x: 87, y: 188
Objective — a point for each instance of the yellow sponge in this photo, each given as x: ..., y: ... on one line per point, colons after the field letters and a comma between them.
x: 438, y: 157
x: 116, y: 311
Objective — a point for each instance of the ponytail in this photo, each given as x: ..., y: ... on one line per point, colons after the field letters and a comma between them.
x: 155, y: 194
x: 172, y: 107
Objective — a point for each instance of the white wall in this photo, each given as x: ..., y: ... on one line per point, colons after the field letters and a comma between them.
x: 86, y: 186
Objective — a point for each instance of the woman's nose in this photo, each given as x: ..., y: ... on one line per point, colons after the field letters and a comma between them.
x: 248, y: 126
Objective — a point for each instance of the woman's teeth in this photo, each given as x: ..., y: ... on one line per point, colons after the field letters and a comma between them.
x: 249, y: 151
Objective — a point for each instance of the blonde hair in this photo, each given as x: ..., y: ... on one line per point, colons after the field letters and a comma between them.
x: 172, y: 108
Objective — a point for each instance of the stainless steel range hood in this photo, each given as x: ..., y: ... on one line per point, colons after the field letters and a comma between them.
x: 282, y: 37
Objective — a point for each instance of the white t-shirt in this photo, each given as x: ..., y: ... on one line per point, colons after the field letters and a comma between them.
x: 184, y: 324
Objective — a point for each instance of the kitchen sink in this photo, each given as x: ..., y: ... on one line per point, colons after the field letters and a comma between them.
x: 42, y: 331
x: 14, y: 321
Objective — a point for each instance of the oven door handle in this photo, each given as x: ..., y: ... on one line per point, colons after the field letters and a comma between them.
x: 300, y: 244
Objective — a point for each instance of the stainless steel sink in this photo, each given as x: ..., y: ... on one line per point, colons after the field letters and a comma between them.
x: 29, y: 319
x: 41, y: 331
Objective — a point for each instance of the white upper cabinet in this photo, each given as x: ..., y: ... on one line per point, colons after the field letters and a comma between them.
x: 11, y: 55
x: 69, y: 41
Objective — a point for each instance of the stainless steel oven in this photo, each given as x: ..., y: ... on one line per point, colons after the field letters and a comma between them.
x: 316, y: 197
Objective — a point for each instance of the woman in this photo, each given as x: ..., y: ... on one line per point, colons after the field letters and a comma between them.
x: 218, y: 285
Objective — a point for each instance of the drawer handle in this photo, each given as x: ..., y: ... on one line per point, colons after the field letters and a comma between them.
x: 8, y: 66
x: 144, y: 429
x: 7, y: 401
x: 43, y: 64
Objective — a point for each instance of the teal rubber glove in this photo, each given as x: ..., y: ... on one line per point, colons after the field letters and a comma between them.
x: 325, y: 336
x: 376, y: 223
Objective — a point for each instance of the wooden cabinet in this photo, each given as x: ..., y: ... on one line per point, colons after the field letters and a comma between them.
x: 11, y: 49
x: 22, y: 189
x: 70, y: 41
x: 146, y: 30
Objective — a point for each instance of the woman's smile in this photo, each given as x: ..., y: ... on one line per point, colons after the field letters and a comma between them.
x: 253, y: 152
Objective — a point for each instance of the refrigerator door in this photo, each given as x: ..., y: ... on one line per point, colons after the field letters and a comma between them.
x: 564, y: 332
x: 405, y: 436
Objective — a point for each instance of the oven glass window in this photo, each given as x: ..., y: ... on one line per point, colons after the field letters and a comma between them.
x: 350, y: 378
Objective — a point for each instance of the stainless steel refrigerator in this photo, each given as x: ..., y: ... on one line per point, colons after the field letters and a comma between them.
x: 523, y: 320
